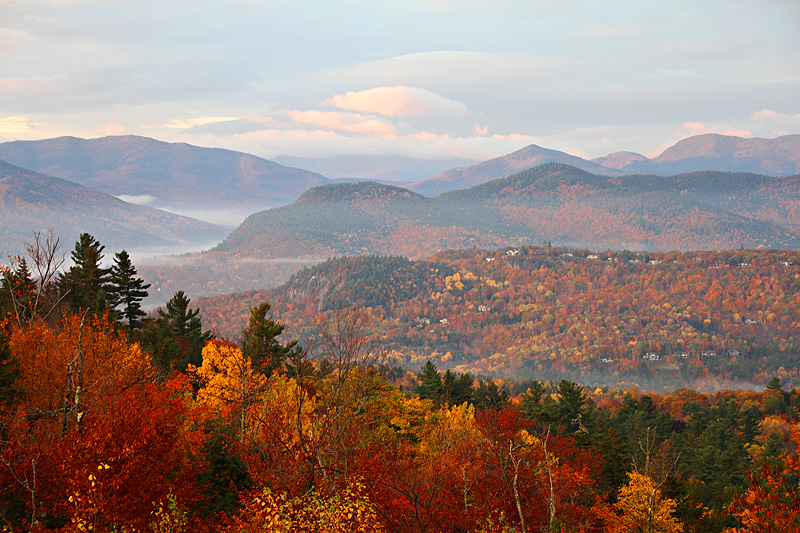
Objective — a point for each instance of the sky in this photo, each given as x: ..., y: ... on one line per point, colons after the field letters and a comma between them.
x: 431, y: 79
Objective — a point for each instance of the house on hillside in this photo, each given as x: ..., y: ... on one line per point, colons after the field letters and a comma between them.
x: 483, y: 308
x: 512, y: 252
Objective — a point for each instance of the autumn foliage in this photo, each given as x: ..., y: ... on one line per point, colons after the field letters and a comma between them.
x: 328, y: 437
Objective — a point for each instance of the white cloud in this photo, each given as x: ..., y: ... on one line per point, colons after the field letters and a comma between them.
x: 16, y: 127
x: 350, y: 122
x: 186, y: 123
x: 138, y: 199
x: 398, y: 101
x: 112, y: 128
x: 768, y: 121
x: 698, y: 128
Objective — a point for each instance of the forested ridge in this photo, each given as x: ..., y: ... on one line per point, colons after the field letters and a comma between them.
x: 707, y: 320
x: 551, y: 202
x: 113, y: 420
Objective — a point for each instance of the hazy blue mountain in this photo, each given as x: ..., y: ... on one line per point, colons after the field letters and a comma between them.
x: 162, y: 174
x: 30, y: 202
x: 381, y: 169
x: 500, y: 167
x: 619, y: 160
x: 553, y: 202
x: 772, y: 157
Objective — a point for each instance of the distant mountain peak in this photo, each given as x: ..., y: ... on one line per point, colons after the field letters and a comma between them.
x: 619, y: 160
x: 358, y: 192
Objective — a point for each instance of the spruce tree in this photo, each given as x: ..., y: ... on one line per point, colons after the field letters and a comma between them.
x: 175, y: 337
x: 127, y: 290
x: 84, y: 285
x: 430, y: 383
x: 259, y: 341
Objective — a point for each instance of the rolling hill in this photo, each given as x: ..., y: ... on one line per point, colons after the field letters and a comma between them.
x: 704, y: 320
x: 174, y: 175
x: 30, y: 202
x: 552, y: 202
x: 500, y: 167
x: 773, y: 157
x: 395, y: 169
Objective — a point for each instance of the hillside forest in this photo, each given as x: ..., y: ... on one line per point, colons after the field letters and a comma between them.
x: 113, y: 420
x: 656, y: 321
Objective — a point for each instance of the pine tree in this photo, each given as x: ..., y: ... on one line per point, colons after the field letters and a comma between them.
x: 127, y: 290
x: 457, y: 388
x: 175, y: 337
x: 84, y: 285
x: 259, y: 341
x: 430, y: 383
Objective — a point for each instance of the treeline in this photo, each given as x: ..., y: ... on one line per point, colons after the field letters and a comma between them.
x: 264, y: 433
x: 657, y: 320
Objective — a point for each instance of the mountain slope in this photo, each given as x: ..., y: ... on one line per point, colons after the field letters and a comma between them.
x: 173, y: 174
x: 500, y: 167
x: 555, y: 202
x: 553, y: 312
x: 30, y: 202
x: 375, y: 168
x: 773, y: 157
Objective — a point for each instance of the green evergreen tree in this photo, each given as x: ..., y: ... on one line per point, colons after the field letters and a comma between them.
x: 430, y: 384
x: 259, y: 341
x: 532, y: 408
x: 127, y: 290
x: 457, y: 388
x: 84, y: 285
x: 175, y: 337
x: 489, y: 396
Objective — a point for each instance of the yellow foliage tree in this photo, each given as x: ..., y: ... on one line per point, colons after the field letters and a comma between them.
x: 348, y: 511
x: 641, y: 508
x: 229, y: 381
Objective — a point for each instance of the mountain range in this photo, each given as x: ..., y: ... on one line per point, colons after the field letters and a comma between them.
x: 551, y: 202
x: 171, y: 175
x: 771, y: 157
x: 30, y: 202
x: 181, y: 176
x: 618, y: 201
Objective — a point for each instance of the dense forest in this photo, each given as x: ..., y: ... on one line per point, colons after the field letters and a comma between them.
x: 116, y: 421
x: 657, y: 321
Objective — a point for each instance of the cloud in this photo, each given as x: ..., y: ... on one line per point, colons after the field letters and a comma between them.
x: 186, y: 123
x: 350, y: 122
x: 698, y: 128
x: 768, y: 121
x: 112, y: 128
x: 694, y: 127
x: 17, y: 126
x: 398, y: 101
x: 138, y: 199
